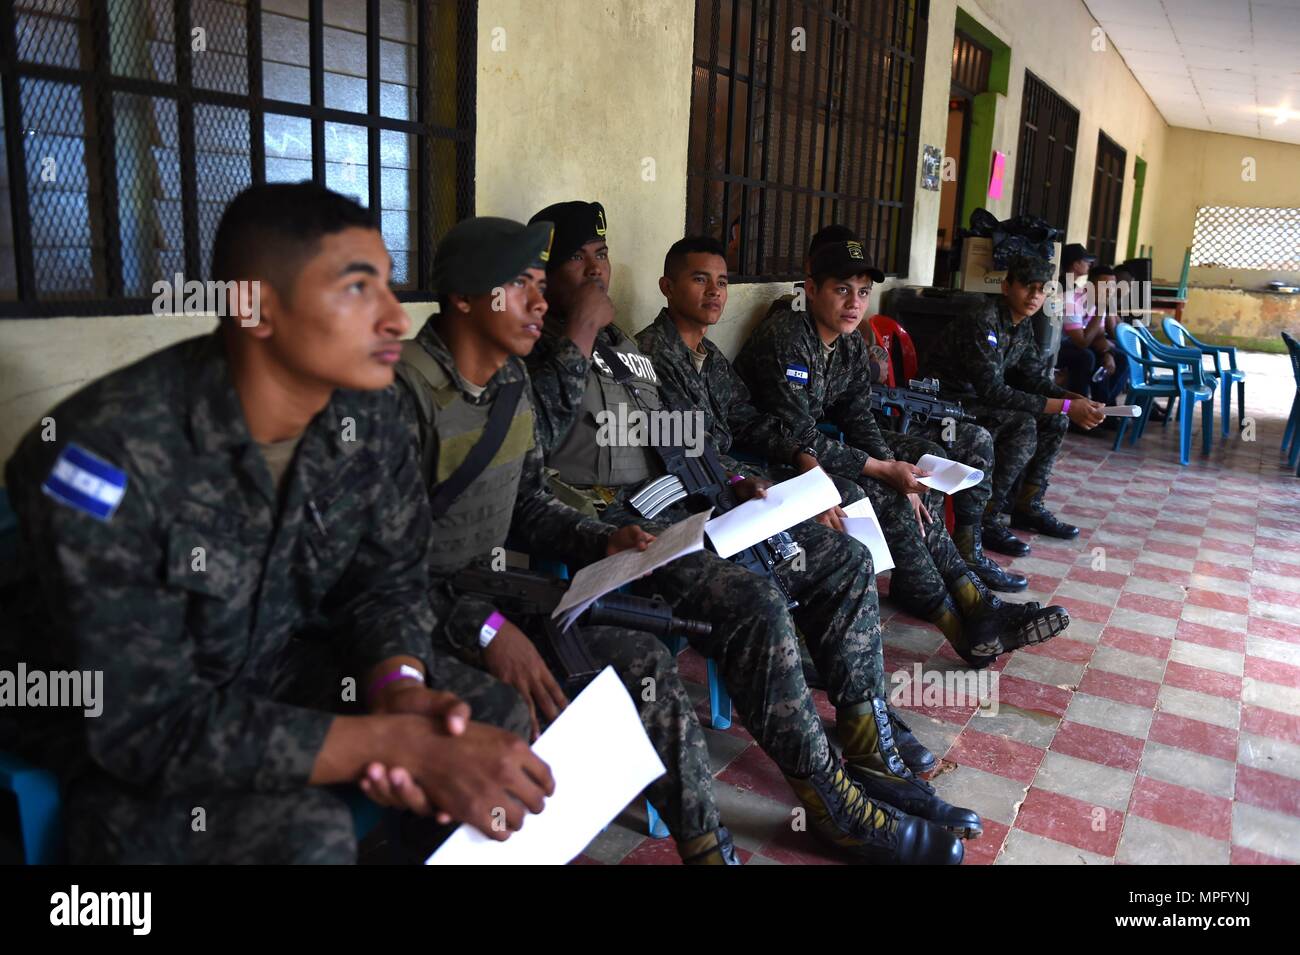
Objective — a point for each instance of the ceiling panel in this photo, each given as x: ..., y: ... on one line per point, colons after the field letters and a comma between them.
x: 1212, y: 64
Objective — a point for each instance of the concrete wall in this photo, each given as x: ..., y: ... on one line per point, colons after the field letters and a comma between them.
x: 583, y: 94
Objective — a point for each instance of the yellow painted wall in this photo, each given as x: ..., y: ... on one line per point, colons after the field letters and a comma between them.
x: 1205, y: 169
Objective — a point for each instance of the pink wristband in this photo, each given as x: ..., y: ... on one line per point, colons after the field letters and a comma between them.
x: 1065, y: 406
x: 487, y: 633
x: 736, y: 479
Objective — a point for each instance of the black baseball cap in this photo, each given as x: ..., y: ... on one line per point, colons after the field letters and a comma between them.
x: 828, y: 234
x: 482, y: 253
x: 1074, y: 252
x: 576, y: 224
x: 843, y: 260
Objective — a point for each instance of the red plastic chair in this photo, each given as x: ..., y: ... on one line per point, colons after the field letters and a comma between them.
x: 887, y: 333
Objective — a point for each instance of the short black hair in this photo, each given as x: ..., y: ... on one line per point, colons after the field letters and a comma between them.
x: 675, y: 260
x: 1098, y: 271
x: 273, y: 228
x: 828, y: 234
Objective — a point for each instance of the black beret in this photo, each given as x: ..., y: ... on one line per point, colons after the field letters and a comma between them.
x: 482, y: 253
x: 576, y: 224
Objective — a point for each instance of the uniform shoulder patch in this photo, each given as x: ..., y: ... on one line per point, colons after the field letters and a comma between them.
x: 797, y: 373
x: 86, y: 482
x: 993, y: 338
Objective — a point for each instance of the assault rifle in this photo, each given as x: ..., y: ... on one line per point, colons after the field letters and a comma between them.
x: 519, y: 594
x: 919, y: 401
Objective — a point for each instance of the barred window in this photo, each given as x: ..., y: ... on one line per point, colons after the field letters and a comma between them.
x: 129, y: 124
x: 804, y: 114
x: 1246, y: 237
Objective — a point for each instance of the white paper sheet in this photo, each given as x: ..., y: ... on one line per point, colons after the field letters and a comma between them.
x: 601, y: 759
x: 785, y: 505
x: 948, y: 476
x: 861, y: 522
x: 1122, y: 411
x: 605, y: 576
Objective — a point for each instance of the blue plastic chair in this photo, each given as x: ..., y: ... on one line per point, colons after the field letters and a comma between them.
x: 39, y: 805
x: 1177, y: 333
x: 1291, y: 436
x: 1185, y: 381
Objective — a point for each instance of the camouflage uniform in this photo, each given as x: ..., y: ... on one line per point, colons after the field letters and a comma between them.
x: 994, y: 368
x: 787, y: 370
x: 190, y: 595
x: 753, y: 639
x: 544, y: 527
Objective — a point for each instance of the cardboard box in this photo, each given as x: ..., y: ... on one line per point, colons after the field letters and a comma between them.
x: 977, y: 272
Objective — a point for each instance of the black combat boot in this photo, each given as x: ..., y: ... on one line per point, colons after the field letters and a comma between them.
x: 915, y: 756
x: 997, y: 538
x: 968, y: 538
x: 873, y: 761
x: 993, y: 627
x: 1029, y: 514
x: 712, y: 848
x: 872, y: 832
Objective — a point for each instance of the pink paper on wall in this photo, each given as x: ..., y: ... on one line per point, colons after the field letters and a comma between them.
x: 995, y: 181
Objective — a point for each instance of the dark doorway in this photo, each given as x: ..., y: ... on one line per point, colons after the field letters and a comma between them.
x: 971, y: 61
x: 1107, y: 193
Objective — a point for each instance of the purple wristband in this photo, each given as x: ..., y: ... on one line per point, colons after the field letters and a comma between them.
x: 404, y: 672
x: 1065, y: 406
x: 736, y: 479
x: 487, y: 633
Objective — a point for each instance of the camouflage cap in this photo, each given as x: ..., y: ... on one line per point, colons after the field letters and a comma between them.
x: 482, y: 253
x: 1027, y: 269
x: 576, y: 224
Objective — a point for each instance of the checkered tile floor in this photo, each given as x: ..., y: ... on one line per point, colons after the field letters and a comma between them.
x: 1162, y: 727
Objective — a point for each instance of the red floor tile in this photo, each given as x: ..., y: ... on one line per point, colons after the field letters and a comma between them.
x: 1173, y: 550
x: 1063, y: 648
x: 1202, y: 680
x: 996, y: 754
x: 1178, y: 527
x: 1043, y: 583
x: 1283, y: 598
x: 1143, y: 603
x: 1116, y: 686
x: 1266, y: 722
x: 1225, y: 546
x: 1102, y: 578
x: 1210, y: 636
x: 1217, y: 601
x: 653, y: 852
x: 754, y: 772
x: 985, y: 849
x: 1181, y: 807
x: 1145, y: 644
x: 1243, y: 856
x: 1098, y: 746
x: 1168, y: 575
x: 1223, y: 571
x: 1273, y: 671
x: 1032, y: 695
x: 1083, y: 609
x: 1258, y: 787
x: 901, y: 658
x: 802, y: 848
x: 1072, y: 821
x: 1268, y: 627
x: 1194, y: 735
x: 1281, y: 568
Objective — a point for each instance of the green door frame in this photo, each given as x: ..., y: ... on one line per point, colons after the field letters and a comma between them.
x: 1139, y: 177
x: 979, y: 154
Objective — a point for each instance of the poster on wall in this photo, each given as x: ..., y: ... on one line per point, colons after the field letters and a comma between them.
x: 931, y: 161
x: 995, y: 180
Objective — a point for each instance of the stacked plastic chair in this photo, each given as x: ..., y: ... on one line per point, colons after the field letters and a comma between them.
x: 1291, y: 436
x: 1162, y: 371
x: 1178, y: 334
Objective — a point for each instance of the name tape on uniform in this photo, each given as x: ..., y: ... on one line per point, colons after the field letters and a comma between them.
x: 797, y: 373
x: 86, y: 482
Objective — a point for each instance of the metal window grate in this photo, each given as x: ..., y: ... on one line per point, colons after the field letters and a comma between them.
x: 1049, y: 129
x: 1245, y: 237
x: 783, y: 141
x: 129, y: 124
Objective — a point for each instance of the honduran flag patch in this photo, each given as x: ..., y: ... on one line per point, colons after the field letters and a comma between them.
x: 797, y: 373
x: 80, y: 479
x: 993, y: 339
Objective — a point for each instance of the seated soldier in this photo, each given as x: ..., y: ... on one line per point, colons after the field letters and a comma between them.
x: 206, y: 506
x: 991, y: 364
x: 584, y: 370
x: 803, y: 367
x: 962, y: 441
x: 463, y: 361
x: 695, y: 376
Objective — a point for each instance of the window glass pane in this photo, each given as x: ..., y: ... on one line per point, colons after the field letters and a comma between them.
x: 397, y: 191
x: 347, y: 168
x: 288, y: 148
x: 286, y: 53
